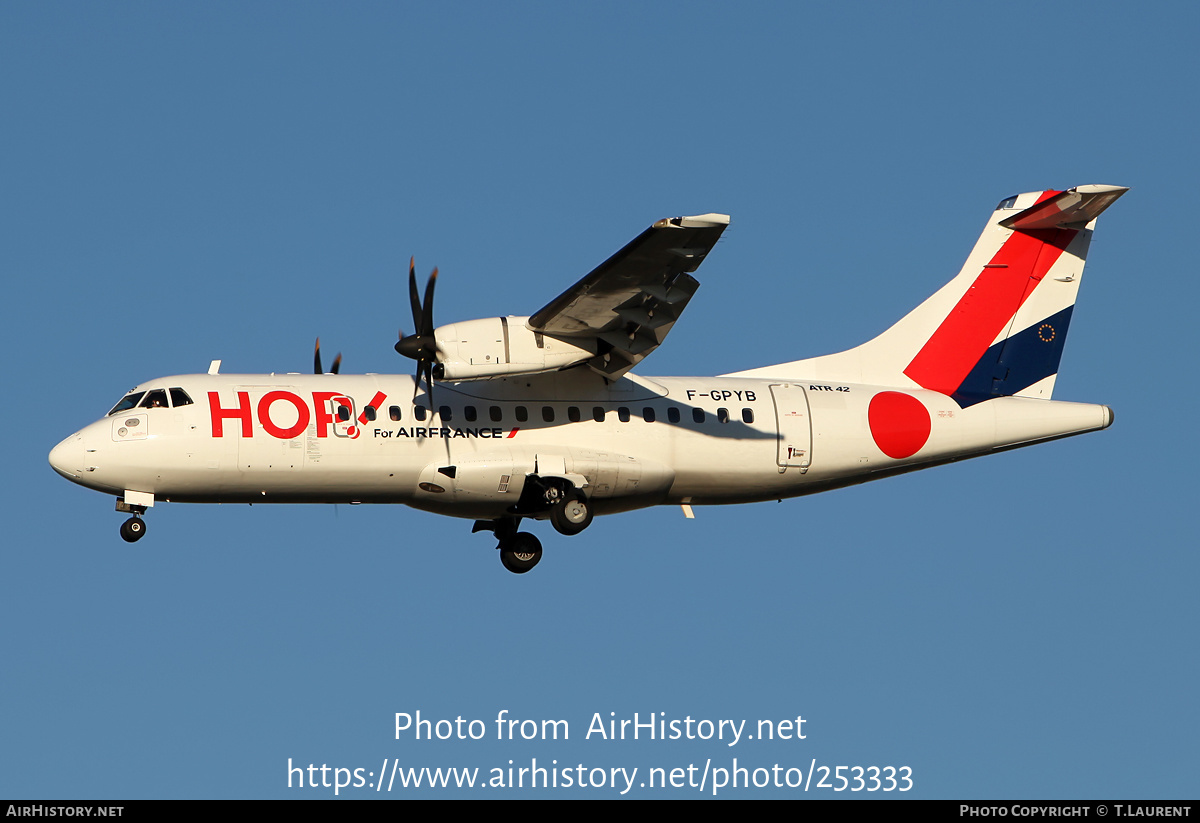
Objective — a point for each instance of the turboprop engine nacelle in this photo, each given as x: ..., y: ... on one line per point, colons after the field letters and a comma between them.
x: 498, y: 346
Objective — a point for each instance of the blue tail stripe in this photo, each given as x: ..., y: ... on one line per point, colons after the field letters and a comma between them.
x: 1018, y: 362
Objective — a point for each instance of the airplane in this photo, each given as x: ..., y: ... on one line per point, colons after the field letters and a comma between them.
x: 542, y: 417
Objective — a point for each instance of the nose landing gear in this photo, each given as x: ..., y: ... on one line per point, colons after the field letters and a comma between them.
x: 133, y: 529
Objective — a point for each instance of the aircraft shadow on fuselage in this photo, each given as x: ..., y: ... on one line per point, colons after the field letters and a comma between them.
x: 575, y: 397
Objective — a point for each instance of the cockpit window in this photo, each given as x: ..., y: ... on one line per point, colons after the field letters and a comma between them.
x: 180, y: 398
x: 156, y: 399
x: 127, y: 402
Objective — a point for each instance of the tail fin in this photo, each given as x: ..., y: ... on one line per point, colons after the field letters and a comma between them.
x: 997, y: 328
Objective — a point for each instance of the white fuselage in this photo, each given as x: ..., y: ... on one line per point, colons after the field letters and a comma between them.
x: 629, y: 444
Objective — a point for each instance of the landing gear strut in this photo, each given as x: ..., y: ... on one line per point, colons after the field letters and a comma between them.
x: 519, y: 551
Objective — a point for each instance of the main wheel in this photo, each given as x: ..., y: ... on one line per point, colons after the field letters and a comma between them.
x: 522, y: 553
x: 572, y: 514
x: 133, y: 530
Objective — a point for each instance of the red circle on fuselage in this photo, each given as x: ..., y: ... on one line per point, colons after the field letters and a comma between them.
x: 899, y: 423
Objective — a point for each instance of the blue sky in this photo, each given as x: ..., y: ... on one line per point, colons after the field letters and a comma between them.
x: 223, y: 180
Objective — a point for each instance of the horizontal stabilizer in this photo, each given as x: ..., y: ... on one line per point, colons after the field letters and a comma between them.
x: 1071, y: 209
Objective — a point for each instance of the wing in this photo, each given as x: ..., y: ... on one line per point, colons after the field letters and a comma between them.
x: 629, y: 303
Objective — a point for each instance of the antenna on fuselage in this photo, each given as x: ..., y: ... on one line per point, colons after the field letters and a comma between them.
x: 214, y: 367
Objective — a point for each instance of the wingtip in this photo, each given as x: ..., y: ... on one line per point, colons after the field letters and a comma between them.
x: 701, y: 220
x: 696, y: 221
x: 1097, y: 188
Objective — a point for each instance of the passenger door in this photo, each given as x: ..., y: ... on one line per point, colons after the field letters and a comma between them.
x: 795, y: 426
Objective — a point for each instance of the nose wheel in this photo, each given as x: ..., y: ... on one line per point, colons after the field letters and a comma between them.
x: 133, y: 529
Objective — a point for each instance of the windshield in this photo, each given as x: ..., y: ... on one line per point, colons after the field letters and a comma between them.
x: 156, y: 399
x: 153, y: 399
x: 127, y: 402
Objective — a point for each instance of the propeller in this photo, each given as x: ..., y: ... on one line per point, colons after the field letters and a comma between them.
x: 421, y: 344
x: 337, y: 361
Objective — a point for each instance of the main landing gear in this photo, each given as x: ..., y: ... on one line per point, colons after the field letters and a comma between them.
x: 519, y: 551
x: 571, y: 513
x: 568, y: 508
x: 522, y: 553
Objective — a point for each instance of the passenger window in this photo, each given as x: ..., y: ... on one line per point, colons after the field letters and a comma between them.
x: 722, y: 415
x: 573, y: 414
x: 180, y: 398
x: 444, y: 413
x: 343, y: 412
x: 673, y: 415
x: 419, y: 413
x: 548, y: 414
x: 495, y: 413
x: 598, y: 414
x: 698, y: 415
x: 747, y: 415
x: 469, y: 414
x: 623, y: 414
x: 369, y: 413
x: 394, y: 413
x: 648, y: 414
x: 522, y: 414
x: 156, y: 399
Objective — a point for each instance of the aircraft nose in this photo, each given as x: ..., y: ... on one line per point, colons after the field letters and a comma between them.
x: 67, y: 457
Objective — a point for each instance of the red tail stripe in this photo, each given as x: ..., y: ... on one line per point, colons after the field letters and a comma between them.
x: 982, y: 313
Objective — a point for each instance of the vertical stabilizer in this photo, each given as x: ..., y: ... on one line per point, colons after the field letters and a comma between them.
x: 997, y: 329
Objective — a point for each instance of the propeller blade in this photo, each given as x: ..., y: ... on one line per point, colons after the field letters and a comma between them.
x: 427, y: 313
x: 317, y: 358
x: 337, y: 364
x: 421, y: 345
x: 413, y: 295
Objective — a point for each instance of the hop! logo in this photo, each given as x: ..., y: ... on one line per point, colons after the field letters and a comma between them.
x: 329, y: 412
